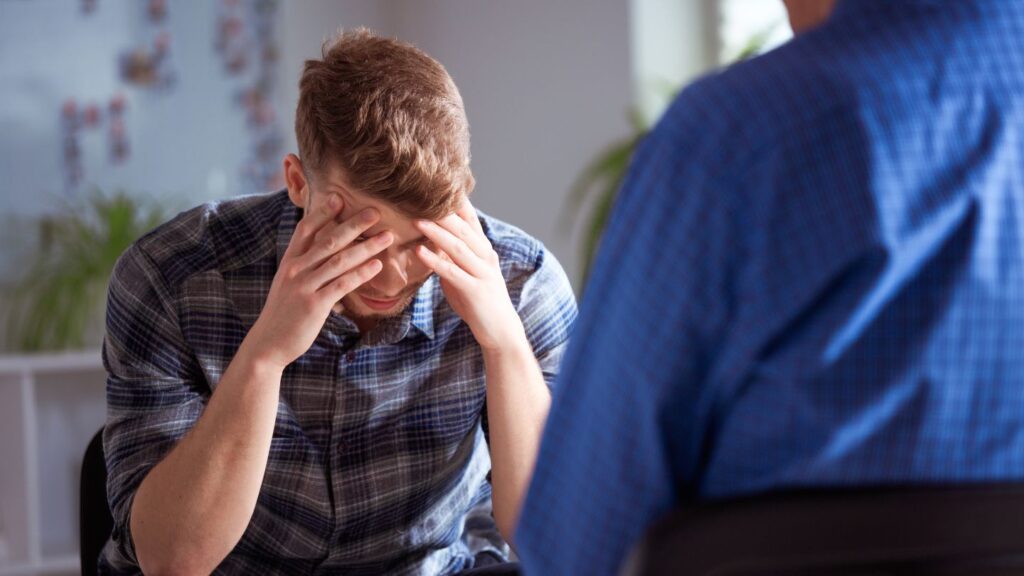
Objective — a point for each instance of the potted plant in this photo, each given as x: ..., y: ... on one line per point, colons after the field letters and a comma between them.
x: 603, y: 177
x: 62, y: 294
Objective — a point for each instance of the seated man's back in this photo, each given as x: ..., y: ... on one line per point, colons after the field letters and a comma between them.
x: 815, y: 276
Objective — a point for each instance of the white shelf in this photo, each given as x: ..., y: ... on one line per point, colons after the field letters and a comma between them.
x: 52, y: 362
x: 50, y: 407
x: 63, y: 565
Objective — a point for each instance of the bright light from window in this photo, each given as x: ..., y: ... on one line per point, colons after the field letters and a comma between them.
x: 745, y: 23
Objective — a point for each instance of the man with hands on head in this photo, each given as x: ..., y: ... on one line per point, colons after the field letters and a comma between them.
x: 336, y: 377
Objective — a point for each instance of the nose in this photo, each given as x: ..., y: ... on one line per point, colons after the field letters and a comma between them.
x: 392, y: 279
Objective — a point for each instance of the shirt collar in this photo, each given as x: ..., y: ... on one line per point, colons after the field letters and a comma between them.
x: 843, y: 8
x: 290, y: 217
x: 421, y: 311
x: 419, y: 314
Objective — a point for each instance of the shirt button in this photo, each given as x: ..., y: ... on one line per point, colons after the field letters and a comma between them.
x: 351, y: 356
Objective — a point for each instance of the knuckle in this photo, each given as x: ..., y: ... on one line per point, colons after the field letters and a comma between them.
x: 355, y: 227
x: 363, y: 273
x: 345, y: 284
x: 289, y: 272
x: 307, y: 226
x: 308, y: 303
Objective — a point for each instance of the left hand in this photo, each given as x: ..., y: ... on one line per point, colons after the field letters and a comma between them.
x: 471, y: 277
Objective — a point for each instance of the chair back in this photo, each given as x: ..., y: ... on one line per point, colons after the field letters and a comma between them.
x: 94, y: 521
x: 922, y: 531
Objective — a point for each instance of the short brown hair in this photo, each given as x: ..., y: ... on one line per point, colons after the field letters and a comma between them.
x: 389, y: 116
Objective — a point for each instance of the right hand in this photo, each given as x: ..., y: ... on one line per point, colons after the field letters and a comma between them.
x: 320, y: 267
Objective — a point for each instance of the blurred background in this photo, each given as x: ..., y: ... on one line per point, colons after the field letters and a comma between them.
x: 117, y: 114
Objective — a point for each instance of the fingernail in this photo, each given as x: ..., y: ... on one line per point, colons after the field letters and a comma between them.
x: 368, y: 215
x: 332, y: 201
x: 384, y: 237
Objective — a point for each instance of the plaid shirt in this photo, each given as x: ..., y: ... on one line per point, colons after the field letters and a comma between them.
x: 379, y: 462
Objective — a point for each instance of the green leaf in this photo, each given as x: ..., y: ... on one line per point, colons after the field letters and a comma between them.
x: 61, y: 293
x: 605, y: 174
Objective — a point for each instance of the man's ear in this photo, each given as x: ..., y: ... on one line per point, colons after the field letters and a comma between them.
x: 295, y: 179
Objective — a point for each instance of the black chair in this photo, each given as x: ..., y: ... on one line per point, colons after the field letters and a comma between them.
x: 935, y: 531
x: 94, y: 521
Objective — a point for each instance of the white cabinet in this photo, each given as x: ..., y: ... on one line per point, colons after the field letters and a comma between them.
x: 50, y: 407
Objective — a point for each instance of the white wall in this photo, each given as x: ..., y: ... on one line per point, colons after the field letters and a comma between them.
x: 303, y: 28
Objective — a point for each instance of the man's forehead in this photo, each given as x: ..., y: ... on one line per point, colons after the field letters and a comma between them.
x: 335, y: 183
x: 355, y: 200
x: 390, y: 218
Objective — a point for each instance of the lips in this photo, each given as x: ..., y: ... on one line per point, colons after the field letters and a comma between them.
x: 379, y: 304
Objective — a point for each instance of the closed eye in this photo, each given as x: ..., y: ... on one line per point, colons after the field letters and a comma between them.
x: 408, y: 245
x: 421, y: 242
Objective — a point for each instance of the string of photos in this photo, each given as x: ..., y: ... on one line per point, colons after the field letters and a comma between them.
x: 78, y: 119
x: 245, y: 42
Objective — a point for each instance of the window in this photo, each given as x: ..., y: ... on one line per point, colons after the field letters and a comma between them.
x: 750, y: 24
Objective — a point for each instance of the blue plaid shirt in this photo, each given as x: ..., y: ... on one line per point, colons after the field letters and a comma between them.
x: 814, y: 276
x: 379, y: 462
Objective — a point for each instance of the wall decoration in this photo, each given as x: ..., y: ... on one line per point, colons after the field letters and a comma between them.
x: 117, y: 136
x: 72, y: 149
x: 76, y: 121
x: 229, y: 41
x: 150, y: 66
x: 157, y: 10
x: 245, y: 34
x: 139, y: 68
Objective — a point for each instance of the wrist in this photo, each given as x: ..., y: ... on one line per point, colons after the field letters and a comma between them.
x: 514, y: 345
x: 259, y: 362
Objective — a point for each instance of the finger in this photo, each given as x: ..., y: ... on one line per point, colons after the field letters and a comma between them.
x: 456, y: 249
x: 467, y: 212
x: 444, y: 268
x: 464, y: 231
x: 346, y: 283
x: 334, y: 238
x: 312, y: 221
x: 349, y: 258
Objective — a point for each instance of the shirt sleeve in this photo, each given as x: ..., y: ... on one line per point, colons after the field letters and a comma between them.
x: 547, y: 307
x: 155, y: 393
x: 623, y: 434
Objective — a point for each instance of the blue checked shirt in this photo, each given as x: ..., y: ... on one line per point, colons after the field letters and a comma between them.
x: 814, y: 276
x: 379, y: 462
